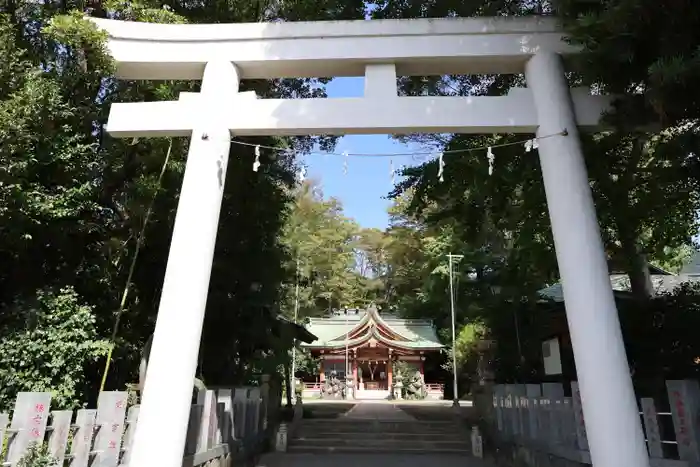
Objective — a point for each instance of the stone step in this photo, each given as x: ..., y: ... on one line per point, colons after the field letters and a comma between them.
x: 348, y: 420
x: 375, y: 434
x: 360, y: 435
x: 376, y: 443
x: 374, y: 427
x: 355, y: 449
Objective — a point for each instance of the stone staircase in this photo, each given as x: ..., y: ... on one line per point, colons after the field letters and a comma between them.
x: 371, y: 394
x: 356, y: 435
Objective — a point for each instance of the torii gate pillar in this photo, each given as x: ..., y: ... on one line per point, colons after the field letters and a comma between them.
x: 610, y: 409
x: 172, y: 366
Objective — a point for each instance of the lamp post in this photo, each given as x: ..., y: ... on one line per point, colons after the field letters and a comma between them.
x: 347, y: 337
x: 455, y: 396
x: 294, y: 341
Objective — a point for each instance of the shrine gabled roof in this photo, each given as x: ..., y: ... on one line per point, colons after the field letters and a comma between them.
x: 359, y: 326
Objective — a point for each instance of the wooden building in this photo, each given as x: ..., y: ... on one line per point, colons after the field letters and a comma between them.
x: 554, y: 333
x: 362, y: 344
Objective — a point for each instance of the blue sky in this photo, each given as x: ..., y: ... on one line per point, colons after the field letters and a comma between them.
x: 368, y: 181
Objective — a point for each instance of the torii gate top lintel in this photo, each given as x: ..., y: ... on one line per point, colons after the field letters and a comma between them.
x: 378, y: 50
x: 332, y: 48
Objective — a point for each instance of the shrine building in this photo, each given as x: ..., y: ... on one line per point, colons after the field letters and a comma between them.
x: 369, y: 341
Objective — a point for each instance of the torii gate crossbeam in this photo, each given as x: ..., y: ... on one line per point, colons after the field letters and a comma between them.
x: 222, y: 55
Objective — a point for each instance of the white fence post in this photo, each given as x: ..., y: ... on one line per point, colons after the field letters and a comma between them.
x: 521, y: 408
x: 651, y: 428
x: 4, y: 420
x: 29, y: 422
x: 557, y: 420
x: 252, y: 412
x: 508, y: 413
x: 225, y: 397
x: 544, y: 425
x: 82, y: 438
x: 533, y: 405
x: 516, y: 391
x: 553, y: 390
x: 193, y: 429
x: 684, y: 397
x: 254, y: 400
x: 498, y: 394
x: 111, y: 414
x: 58, y: 439
x: 223, y: 428
x: 569, y: 422
x: 240, y: 396
x: 532, y: 391
x: 265, y: 398
x: 208, y: 425
x: 132, y: 417
x: 581, y: 436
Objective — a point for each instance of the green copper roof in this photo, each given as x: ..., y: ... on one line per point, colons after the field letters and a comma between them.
x: 332, y: 331
x: 661, y: 283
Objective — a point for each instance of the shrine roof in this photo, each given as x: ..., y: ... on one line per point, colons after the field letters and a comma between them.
x: 363, y: 324
x: 662, y: 281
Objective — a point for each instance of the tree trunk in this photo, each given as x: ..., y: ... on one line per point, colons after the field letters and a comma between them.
x: 288, y: 383
x: 637, y: 270
x: 628, y: 228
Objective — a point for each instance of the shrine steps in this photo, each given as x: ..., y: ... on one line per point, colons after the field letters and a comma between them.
x: 364, y: 426
x: 354, y: 436
x: 372, y: 394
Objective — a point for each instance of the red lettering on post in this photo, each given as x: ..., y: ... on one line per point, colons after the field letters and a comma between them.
x: 683, y: 438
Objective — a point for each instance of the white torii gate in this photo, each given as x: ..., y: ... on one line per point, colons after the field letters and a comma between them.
x: 223, y: 54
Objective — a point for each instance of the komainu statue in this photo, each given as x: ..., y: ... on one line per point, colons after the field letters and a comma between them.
x: 333, y: 388
x: 415, y: 387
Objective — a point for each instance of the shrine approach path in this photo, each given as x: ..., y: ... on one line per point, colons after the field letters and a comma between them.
x: 381, y: 412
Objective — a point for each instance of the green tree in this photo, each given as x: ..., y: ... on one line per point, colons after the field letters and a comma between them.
x: 320, y: 240
x: 644, y: 51
x: 45, y: 344
x: 371, y: 267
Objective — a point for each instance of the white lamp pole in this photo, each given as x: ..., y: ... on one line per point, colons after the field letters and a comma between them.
x: 455, y: 397
x: 294, y: 342
x: 347, y: 337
